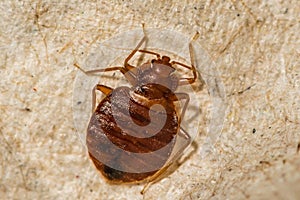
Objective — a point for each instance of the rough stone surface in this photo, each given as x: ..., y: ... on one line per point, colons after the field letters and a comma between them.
x: 256, y: 48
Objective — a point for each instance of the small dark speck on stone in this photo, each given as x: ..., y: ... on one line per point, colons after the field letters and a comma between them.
x: 238, y: 14
x: 263, y: 162
x: 27, y: 109
x: 254, y: 130
x: 195, y: 8
x: 79, y: 102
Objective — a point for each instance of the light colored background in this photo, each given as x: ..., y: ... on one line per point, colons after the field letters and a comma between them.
x: 254, y: 44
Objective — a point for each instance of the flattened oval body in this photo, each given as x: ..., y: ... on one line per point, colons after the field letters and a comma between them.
x: 121, y: 151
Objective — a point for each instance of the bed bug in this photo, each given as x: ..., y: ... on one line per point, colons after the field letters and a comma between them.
x: 133, y: 130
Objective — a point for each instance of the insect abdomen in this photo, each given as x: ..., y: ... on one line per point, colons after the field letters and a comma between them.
x: 118, y: 154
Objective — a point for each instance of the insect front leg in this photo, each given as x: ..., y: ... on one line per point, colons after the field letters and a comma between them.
x: 128, y: 70
x: 144, y: 39
x: 186, y: 81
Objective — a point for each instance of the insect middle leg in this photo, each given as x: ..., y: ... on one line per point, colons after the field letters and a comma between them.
x: 104, y: 89
x: 129, y: 75
x: 180, y: 97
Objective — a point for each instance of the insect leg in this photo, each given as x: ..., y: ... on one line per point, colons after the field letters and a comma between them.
x: 128, y: 70
x: 126, y: 64
x: 129, y: 75
x: 186, y: 81
x: 150, y: 52
x: 180, y: 97
x: 175, y: 157
x: 104, y: 89
x: 183, y: 133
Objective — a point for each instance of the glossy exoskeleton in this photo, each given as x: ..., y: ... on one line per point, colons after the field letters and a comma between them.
x: 133, y: 130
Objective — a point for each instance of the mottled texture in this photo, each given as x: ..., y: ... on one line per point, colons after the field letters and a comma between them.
x: 255, y: 45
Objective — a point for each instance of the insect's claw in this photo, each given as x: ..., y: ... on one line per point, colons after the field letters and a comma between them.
x: 196, y: 36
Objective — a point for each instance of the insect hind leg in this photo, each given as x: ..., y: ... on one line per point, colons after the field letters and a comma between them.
x: 176, y: 155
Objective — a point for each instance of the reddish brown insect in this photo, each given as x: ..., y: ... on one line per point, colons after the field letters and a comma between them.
x: 133, y: 130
